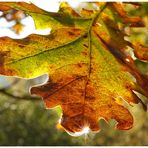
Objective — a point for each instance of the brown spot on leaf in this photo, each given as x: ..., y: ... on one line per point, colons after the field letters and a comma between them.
x: 141, y: 52
x: 128, y: 86
x: 2, y: 57
x: 3, y: 69
x: 85, y: 53
x: 79, y: 65
x: 85, y: 45
x: 86, y: 12
x: 71, y: 33
x: 85, y: 36
x: 21, y: 46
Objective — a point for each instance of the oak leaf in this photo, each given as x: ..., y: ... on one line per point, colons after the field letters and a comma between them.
x: 85, y: 57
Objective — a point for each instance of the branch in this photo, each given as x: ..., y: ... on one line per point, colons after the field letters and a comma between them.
x: 25, y: 97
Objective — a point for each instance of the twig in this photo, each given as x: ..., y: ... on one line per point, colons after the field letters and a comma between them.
x: 26, y: 97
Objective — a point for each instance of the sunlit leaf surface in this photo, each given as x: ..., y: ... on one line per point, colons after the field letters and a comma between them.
x: 90, y: 72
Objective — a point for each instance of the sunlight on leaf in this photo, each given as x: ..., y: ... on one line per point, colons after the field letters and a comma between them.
x: 85, y: 56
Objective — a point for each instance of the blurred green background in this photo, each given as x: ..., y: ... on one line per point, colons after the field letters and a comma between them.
x: 25, y: 121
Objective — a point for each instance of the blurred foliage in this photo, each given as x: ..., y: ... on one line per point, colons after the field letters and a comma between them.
x: 26, y: 122
x: 139, y: 34
x: 15, y: 16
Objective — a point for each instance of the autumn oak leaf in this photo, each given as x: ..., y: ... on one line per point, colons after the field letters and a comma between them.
x: 90, y: 72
